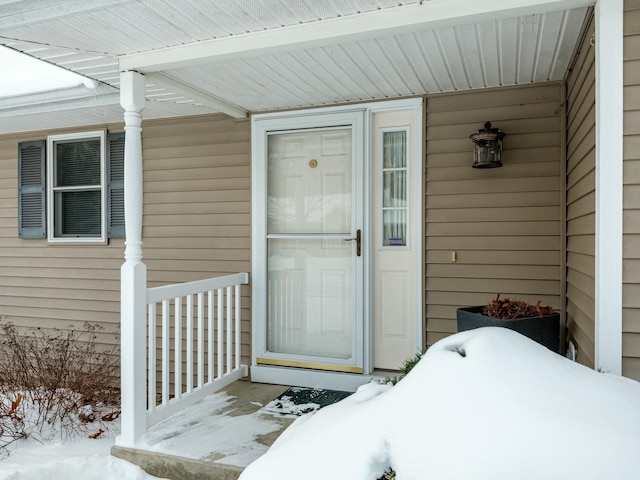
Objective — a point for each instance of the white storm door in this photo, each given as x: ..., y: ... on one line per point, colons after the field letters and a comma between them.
x: 313, y: 314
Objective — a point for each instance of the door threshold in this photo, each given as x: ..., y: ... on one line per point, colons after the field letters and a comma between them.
x: 302, y: 377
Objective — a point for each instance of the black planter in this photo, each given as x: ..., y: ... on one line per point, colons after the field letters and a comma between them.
x: 545, y: 329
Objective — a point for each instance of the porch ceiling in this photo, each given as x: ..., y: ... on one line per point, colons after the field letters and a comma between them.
x: 240, y: 56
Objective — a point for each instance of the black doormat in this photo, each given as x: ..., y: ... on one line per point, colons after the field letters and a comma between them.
x: 299, y: 400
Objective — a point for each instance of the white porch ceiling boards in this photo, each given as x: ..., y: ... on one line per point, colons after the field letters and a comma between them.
x: 258, y: 55
x: 534, y: 48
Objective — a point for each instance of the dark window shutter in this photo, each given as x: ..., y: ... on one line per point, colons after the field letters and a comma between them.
x: 115, y: 185
x: 31, y: 190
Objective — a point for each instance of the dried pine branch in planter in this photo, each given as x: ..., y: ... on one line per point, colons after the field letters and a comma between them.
x: 508, y: 309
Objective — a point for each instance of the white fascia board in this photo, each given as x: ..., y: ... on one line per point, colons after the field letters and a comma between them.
x: 197, y: 95
x: 388, y: 21
x: 609, y: 15
x: 56, y: 96
x: 60, y: 104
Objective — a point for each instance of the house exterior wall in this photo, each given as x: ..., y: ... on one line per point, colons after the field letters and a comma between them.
x: 52, y: 285
x: 504, y: 224
x: 196, y: 225
x: 581, y: 204
x: 631, y: 193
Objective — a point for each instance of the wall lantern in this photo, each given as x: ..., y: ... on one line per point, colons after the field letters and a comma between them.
x: 487, y: 146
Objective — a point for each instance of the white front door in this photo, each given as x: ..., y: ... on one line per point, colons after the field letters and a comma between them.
x: 313, y: 212
x: 322, y: 302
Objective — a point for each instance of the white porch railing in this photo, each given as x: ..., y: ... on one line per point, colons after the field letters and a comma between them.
x: 193, y: 343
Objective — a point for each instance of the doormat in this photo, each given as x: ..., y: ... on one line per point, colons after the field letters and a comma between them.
x: 298, y: 400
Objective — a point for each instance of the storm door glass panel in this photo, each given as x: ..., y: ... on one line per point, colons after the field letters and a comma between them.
x: 310, y: 266
x: 310, y: 297
x: 394, y: 188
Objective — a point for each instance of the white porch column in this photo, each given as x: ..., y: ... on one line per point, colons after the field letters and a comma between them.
x: 609, y: 164
x: 133, y: 274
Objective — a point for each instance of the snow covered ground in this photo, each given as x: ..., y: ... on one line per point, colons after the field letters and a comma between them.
x: 81, y: 459
x: 482, y: 404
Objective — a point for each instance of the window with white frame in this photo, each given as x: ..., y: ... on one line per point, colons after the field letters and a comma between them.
x: 76, y: 194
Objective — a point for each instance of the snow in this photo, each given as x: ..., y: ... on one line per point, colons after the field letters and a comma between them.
x: 58, y: 446
x: 287, y: 407
x: 84, y: 458
x: 209, y: 427
x: 482, y: 404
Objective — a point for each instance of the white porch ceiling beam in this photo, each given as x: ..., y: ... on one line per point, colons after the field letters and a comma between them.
x: 430, y: 14
x: 14, y: 14
x: 197, y: 95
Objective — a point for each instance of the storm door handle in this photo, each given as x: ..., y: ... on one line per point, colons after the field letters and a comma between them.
x: 358, y: 240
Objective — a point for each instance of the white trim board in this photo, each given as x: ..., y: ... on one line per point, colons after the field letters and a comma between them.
x: 609, y: 183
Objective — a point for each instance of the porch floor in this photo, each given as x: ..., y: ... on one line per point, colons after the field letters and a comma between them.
x: 215, y: 439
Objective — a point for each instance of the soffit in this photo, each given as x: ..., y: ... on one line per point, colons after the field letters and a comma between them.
x: 93, y: 36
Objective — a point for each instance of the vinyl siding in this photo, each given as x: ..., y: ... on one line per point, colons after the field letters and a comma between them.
x: 581, y: 164
x: 196, y: 225
x: 631, y: 194
x: 197, y: 203
x: 53, y: 286
x: 504, y: 224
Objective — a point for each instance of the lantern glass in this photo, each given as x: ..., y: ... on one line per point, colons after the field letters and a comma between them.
x: 487, y: 147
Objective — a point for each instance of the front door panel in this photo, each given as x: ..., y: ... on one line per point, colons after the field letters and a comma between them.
x: 394, y: 247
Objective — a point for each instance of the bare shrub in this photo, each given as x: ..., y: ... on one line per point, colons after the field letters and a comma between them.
x: 55, y: 383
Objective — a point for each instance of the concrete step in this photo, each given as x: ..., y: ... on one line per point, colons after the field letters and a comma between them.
x: 248, y: 399
x: 177, y: 468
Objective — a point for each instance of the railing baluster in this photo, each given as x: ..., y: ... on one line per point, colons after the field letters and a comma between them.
x: 223, y: 349
x: 189, y: 343
x: 200, y: 339
x: 151, y: 353
x: 238, y: 332
x: 210, y: 336
x: 220, y: 345
x: 229, y: 330
x: 177, y: 355
x: 166, y: 368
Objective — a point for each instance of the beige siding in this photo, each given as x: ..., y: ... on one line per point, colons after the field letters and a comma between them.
x: 580, y: 92
x: 631, y: 192
x: 196, y: 225
x: 504, y: 224
x: 197, y: 203
x: 52, y: 285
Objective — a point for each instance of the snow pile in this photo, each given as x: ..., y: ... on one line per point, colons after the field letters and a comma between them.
x: 482, y: 404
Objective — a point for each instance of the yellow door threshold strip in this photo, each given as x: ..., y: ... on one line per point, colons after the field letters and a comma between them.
x: 311, y: 365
